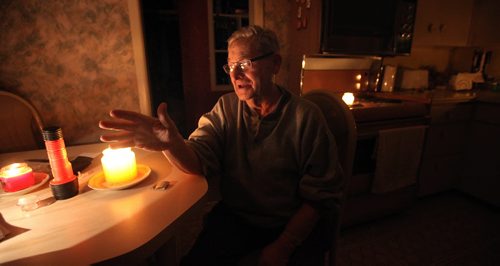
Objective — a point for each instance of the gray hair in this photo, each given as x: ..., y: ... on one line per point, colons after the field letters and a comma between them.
x: 265, y: 39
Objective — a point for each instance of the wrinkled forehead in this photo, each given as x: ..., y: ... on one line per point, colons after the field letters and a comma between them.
x: 242, y: 48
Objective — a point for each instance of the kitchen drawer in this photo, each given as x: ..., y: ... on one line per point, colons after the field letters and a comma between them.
x: 439, y: 174
x: 450, y: 113
x: 445, y: 139
x: 489, y: 113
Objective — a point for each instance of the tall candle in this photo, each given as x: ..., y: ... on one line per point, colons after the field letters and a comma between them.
x: 119, y: 165
x: 16, y: 176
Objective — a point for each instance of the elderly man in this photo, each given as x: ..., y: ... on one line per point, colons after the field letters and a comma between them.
x: 275, y: 157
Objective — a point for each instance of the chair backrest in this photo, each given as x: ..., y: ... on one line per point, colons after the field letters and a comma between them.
x: 21, y: 124
x: 342, y: 125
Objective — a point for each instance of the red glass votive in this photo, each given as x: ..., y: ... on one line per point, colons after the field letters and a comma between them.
x: 16, y: 176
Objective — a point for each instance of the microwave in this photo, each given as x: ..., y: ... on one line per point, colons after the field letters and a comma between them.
x: 378, y: 27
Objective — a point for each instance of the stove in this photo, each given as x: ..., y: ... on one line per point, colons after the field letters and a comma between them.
x: 373, y: 114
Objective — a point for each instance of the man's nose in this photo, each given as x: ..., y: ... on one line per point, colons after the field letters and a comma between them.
x: 237, y: 72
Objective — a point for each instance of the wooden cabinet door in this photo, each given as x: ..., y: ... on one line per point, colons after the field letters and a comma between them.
x: 443, y: 22
x: 439, y: 174
x: 485, y: 21
x: 481, y: 177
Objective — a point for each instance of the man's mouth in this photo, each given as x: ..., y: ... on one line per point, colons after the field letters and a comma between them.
x: 244, y: 86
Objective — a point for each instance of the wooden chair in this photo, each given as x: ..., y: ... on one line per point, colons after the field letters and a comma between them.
x: 342, y: 125
x: 21, y: 124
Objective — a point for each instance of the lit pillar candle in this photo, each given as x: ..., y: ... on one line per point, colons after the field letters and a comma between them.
x: 119, y: 165
x: 16, y: 176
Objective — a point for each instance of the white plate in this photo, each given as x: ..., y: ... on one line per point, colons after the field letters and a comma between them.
x: 98, y: 182
x: 40, y: 179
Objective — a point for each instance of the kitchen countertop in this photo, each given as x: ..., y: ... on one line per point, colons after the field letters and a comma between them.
x: 367, y: 111
x: 442, y: 96
x: 489, y: 97
x: 374, y: 107
x: 431, y: 96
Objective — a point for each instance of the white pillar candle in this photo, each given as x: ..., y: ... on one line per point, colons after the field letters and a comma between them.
x: 119, y: 165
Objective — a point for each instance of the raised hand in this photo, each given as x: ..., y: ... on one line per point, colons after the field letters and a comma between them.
x: 133, y: 129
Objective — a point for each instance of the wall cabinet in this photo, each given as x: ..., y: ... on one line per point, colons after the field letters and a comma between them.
x: 485, y: 21
x: 443, y: 22
x: 444, y: 147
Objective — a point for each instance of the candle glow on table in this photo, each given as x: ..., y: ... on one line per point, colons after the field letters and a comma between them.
x: 16, y: 176
x: 119, y: 165
x: 348, y: 98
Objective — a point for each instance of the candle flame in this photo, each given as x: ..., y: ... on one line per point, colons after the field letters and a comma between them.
x: 348, y: 98
x: 14, y: 169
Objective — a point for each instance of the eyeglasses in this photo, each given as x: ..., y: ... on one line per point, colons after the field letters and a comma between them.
x: 244, y: 64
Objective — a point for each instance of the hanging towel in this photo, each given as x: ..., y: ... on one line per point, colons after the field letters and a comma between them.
x: 398, y: 156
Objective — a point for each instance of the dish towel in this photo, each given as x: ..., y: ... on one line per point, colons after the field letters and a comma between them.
x: 398, y: 156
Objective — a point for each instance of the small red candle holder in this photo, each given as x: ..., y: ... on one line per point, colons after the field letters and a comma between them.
x: 16, y: 176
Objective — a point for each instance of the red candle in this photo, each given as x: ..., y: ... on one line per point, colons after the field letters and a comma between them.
x: 16, y: 176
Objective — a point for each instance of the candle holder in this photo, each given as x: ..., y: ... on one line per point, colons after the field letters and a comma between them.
x: 16, y: 176
x: 65, y: 183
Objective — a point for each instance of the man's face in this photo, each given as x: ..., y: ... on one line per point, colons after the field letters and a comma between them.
x: 250, y: 82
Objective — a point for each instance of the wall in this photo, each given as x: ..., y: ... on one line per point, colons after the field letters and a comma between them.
x: 435, y: 57
x: 72, y: 59
x: 276, y: 18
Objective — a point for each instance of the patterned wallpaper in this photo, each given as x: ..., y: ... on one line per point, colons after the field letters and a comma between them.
x: 276, y: 18
x: 72, y: 59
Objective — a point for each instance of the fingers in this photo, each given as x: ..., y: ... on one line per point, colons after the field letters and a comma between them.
x: 132, y: 129
x: 119, y: 145
x: 125, y: 120
x: 119, y: 136
x: 117, y: 125
x: 130, y: 116
x: 163, y: 116
x: 124, y: 139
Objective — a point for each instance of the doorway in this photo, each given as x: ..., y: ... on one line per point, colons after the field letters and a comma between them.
x: 163, y: 57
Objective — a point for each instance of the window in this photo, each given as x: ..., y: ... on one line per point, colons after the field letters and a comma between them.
x: 226, y: 16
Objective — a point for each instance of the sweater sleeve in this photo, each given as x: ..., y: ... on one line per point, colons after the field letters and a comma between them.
x: 207, y: 139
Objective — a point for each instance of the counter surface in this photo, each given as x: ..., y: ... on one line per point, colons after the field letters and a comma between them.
x: 96, y: 225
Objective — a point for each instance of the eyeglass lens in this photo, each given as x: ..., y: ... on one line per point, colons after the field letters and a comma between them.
x: 241, y: 65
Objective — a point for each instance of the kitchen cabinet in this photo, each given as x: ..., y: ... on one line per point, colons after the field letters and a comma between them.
x: 444, y: 147
x: 443, y: 22
x: 485, y: 21
x: 481, y: 176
